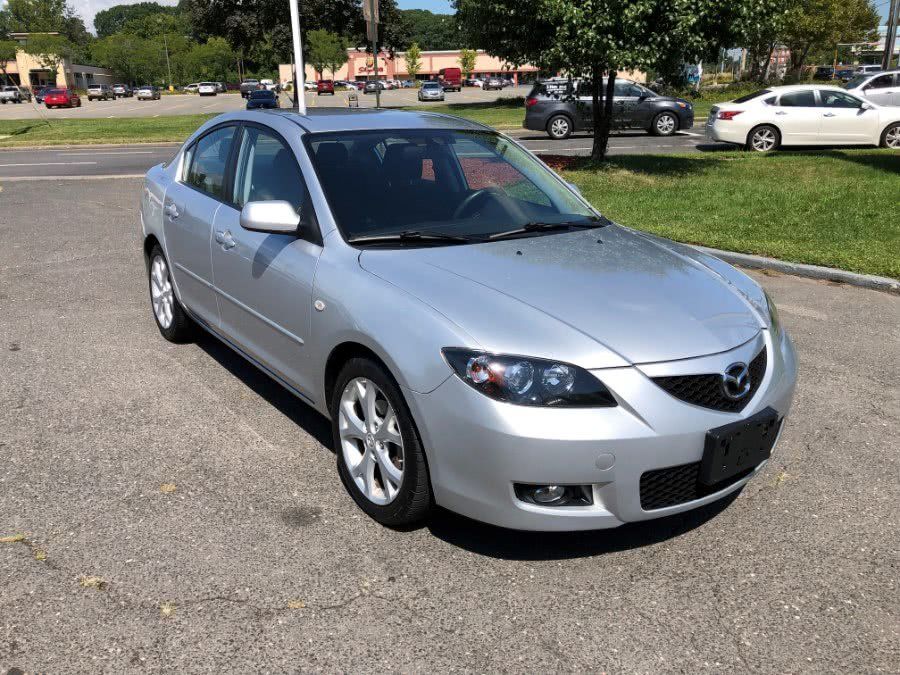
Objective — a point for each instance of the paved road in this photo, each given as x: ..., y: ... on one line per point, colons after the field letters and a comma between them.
x: 185, y: 104
x: 136, y: 159
x: 181, y: 512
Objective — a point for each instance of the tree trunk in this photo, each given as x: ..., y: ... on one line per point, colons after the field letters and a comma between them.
x: 601, y: 111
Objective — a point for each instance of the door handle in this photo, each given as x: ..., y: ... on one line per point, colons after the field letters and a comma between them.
x: 225, y: 239
x: 780, y: 112
x: 172, y: 211
x: 829, y: 115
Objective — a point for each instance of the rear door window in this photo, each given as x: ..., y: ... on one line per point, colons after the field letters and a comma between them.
x: 209, y: 161
x: 798, y: 99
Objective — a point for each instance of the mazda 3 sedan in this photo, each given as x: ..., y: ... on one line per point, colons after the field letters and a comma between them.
x: 480, y: 337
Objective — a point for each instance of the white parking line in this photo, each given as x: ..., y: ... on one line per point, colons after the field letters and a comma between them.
x: 48, y: 164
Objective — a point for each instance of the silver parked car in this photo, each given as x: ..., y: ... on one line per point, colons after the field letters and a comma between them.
x: 431, y: 91
x: 479, y: 336
x: 882, y: 88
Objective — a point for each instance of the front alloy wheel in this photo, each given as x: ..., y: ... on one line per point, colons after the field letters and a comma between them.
x: 665, y: 124
x: 370, y: 441
x: 379, y: 453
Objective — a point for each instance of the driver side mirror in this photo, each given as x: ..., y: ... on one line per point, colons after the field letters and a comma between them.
x: 274, y: 217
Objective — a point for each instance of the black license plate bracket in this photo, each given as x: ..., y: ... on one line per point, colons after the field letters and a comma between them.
x: 734, y: 448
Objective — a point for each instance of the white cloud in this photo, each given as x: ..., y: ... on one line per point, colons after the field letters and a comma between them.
x: 87, y: 9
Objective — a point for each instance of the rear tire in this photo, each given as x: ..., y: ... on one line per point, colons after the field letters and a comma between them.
x: 390, y: 501
x: 764, y: 138
x: 173, y: 322
x: 890, y: 137
x: 559, y: 127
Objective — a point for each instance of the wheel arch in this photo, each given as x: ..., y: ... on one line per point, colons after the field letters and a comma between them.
x: 339, y: 356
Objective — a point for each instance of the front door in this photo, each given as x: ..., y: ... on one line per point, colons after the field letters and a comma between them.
x: 264, y: 281
x: 845, y: 120
x: 188, y: 213
x: 798, y: 118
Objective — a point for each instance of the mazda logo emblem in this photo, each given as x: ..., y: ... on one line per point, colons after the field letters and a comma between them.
x: 736, y: 381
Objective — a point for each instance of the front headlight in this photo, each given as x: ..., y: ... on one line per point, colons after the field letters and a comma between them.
x: 528, y: 381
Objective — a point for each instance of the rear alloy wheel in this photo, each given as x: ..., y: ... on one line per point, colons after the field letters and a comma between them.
x: 664, y: 124
x: 559, y: 127
x: 763, y: 139
x: 172, y: 321
x: 891, y: 137
x: 379, y: 454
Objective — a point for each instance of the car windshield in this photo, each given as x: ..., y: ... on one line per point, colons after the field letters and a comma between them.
x: 857, y: 81
x: 9, y: 88
x: 207, y: 84
x: 56, y: 92
x: 439, y: 182
x: 431, y: 85
x: 263, y: 93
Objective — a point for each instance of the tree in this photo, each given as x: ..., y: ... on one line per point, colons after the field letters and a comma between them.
x: 413, y: 60
x: 44, y: 16
x: 49, y: 50
x: 8, y: 49
x: 467, y: 61
x: 212, y: 60
x: 431, y: 31
x: 113, y: 20
x: 593, y: 38
x: 822, y: 24
x: 326, y: 51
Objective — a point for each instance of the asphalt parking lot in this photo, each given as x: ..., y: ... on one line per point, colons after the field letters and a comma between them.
x: 187, y: 104
x: 167, y: 507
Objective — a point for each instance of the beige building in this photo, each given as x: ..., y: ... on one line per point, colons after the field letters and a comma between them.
x: 360, y: 66
x: 27, y: 71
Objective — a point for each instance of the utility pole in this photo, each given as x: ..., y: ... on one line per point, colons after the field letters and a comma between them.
x: 371, y: 16
x: 168, y: 65
x: 299, y: 72
x: 891, y: 37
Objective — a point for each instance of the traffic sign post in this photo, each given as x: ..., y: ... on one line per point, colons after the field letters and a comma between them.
x: 299, y: 71
x: 371, y: 16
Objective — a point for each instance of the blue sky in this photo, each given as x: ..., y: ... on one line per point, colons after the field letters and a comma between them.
x: 438, y: 6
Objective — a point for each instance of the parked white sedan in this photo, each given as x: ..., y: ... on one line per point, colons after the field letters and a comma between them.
x: 803, y: 115
x: 881, y: 88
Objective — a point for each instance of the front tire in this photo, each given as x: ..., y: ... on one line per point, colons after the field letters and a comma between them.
x: 764, y: 138
x: 559, y: 127
x: 379, y: 454
x: 664, y: 124
x: 890, y: 137
x: 173, y: 323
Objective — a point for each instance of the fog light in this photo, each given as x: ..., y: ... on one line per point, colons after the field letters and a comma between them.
x: 547, y: 494
x: 555, y: 495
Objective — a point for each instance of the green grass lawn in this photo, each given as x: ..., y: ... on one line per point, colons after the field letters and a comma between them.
x: 502, y: 114
x: 835, y: 208
x: 79, y: 131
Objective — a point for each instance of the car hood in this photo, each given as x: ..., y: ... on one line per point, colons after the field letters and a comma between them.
x: 601, y: 298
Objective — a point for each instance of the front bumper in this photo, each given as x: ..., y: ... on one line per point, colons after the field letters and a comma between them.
x: 478, y: 448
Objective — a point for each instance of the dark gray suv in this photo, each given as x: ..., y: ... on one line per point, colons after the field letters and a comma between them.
x: 561, y: 107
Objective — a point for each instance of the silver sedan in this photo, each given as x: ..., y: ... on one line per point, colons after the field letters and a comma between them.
x: 431, y: 91
x: 480, y: 337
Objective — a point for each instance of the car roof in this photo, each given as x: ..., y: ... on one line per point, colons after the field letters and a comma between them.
x: 803, y: 87
x: 319, y: 120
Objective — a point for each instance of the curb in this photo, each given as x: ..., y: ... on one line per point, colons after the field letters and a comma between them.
x: 810, y: 271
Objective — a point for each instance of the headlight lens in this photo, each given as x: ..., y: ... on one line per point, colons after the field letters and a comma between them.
x: 529, y: 381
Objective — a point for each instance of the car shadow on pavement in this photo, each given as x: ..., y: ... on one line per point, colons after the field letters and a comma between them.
x: 498, y: 542
x: 280, y: 398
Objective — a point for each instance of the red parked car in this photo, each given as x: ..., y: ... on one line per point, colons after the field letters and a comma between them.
x: 325, y: 87
x: 54, y: 98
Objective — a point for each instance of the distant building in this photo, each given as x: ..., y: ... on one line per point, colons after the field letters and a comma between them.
x: 360, y: 66
x: 27, y: 71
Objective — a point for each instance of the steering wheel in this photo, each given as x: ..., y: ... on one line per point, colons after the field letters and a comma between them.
x: 477, y: 196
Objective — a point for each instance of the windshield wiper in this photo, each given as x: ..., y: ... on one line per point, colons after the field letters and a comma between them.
x: 412, y: 236
x: 539, y: 226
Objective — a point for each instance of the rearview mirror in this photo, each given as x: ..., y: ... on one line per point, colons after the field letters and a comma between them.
x: 276, y: 217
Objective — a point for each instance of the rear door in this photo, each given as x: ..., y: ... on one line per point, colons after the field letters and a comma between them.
x: 845, y: 120
x: 797, y: 117
x: 264, y: 281
x: 190, y: 207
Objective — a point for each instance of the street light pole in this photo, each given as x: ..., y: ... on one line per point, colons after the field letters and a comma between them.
x: 168, y: 65
x: 299, y: 72
x: 891, y: 36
